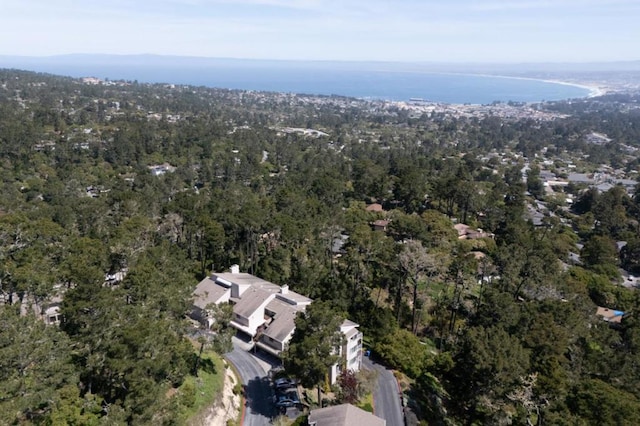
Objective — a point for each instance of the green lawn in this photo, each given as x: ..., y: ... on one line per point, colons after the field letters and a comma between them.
x: 366, y: 403
x: 196, y: 393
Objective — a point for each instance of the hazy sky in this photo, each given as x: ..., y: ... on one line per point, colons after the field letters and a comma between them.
x: 400, y: 30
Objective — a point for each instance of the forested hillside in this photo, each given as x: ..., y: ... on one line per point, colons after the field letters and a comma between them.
x: 117, y: 197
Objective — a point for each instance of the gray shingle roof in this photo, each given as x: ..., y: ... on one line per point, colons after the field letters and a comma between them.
x: 208, y: 291
x: 251, y: 300
x: 344, y: 415
x: 284, y: 316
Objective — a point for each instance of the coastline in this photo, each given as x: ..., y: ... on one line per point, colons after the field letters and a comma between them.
x: 592, y: 89
x: 326, y: 87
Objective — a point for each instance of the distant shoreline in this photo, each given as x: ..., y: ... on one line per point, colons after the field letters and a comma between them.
x: 592, y: 89
x: 375, y: 82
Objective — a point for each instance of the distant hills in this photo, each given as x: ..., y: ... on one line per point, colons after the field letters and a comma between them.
x: 62, y: 63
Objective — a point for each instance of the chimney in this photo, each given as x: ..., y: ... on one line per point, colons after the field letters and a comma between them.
x: 235, y: 269
x: 284, y: 289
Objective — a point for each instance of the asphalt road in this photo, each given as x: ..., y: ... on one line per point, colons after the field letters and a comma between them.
x: 259, y: 407
x: 386, y: 396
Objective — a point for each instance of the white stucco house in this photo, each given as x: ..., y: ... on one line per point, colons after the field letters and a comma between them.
x: 266, y: 312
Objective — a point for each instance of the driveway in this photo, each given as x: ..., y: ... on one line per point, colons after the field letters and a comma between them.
x: 253, y: 370
x: 259, y: 409
x: 386, y: 396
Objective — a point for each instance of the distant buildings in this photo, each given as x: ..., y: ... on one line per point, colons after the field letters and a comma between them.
x: 49, y: 309
x: 301, y: 131
x: 610, y: 315
x: 160, y: 169
x: 375, y: 207
x: 380, y: 225
x: 465, y: 232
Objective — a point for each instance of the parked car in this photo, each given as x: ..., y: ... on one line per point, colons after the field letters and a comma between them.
x: 287, y: 399
x: 284, y: 383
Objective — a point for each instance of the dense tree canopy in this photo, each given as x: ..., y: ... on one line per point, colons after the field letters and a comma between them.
x: 115, y: 199
x: 314, y: 346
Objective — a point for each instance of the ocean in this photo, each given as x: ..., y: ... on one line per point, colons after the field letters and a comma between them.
x: 312, y: 78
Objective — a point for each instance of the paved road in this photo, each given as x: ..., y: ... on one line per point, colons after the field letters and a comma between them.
x: 253, y: 371
x: 260, y: 410
x: 386, y: 396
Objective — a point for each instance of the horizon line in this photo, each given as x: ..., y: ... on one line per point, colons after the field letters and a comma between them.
x: 346, y: 61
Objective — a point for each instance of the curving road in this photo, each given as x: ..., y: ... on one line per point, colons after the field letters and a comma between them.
x: 259, y: 408
x: 386, y: 396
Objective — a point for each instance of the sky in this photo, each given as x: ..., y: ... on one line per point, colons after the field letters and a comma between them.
x: 486, y: 31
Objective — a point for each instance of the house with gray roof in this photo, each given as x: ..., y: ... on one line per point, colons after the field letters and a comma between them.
x: 266, y: 312
x: 343, y: 415
x: 581, y: 178
x: 279, y: 326
x: 250, y: 297
x: 208, y: 292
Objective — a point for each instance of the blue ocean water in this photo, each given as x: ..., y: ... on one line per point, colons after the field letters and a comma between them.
x: 323, y: 80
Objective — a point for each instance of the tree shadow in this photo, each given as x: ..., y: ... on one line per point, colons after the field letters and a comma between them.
x: 201, y: 364
x: 243, y: 337
x: 259, y: 397
x: 207, y: 365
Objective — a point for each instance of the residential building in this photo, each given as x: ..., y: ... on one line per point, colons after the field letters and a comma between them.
x: 465, y: 232
x: 380, y: 225
x: 208, y: 292
x: 610, y: 315
x: 343, y: 415
x: 375, y: 207
x: 266, y: 312
x: 50, y: 310
x: 161, y: 169
x: 351, y: 350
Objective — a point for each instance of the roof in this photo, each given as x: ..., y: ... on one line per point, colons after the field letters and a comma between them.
x: 477, y: 255
x: 375, y: 207
x: 294, y: 298
x: 242, y: 278
x: 461, y: 228
x: 284, y: 315
x: 467, y: 232
x: 251, y: 300
x: 344, y: 415
x: 580, y: 177
x: 381, y: 223
x: 349, y: 333
x: 349, y: 323
x: 609, y: 315
x: 254, y: 283
x: 258, y: 297
x: 547, y: 174
x: 208, y: 291
x: 338, y: 243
